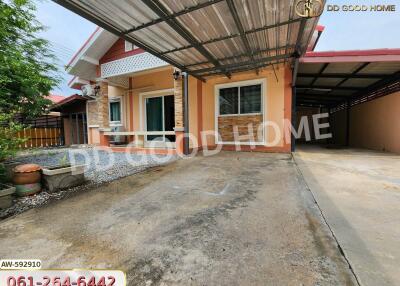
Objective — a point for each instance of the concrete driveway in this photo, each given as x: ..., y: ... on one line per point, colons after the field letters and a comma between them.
x: 230, y: 219
x: 359, y: 194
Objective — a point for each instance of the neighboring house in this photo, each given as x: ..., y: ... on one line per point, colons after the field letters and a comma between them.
x: 244, y: 70
x: 72, y: 110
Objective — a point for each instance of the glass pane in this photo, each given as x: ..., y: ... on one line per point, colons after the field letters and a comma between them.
x: 115, y: 111
x: 169, y: 116
x: 154, y: 118
x: 250, y: 99
x: 228, y: 100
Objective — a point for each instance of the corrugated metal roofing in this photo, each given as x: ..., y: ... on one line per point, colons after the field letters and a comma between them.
x: 203, y: 33
x: 339, y: 77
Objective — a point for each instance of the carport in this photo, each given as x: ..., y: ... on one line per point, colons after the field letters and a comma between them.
x: 342, y: 83
x: 209, y: 38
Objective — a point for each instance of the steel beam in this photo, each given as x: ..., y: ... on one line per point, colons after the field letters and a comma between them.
x: 353, y: 73
x: 256, y: 52
x: 239, y: 26
x: 341, y: 75
x: 81, y: 11
x: 319, y: 73
x: 173, y: 16
x: 348, y: 109
x: 242, y: 69
x: 328, y: 97
x: 186, y: 113
x: 163, y: 13
x: 376, y: 86
x: 329, y: 87
x: 294, y: 118
x: 238, y: 65
x: 235, y: 35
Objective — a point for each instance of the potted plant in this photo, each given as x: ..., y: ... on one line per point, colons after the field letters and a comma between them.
x: 63, y: 175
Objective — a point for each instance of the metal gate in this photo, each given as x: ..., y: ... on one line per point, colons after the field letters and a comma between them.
x: 75, y: 126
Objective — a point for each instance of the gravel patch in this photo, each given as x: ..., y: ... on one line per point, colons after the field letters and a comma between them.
x: 101, y: 167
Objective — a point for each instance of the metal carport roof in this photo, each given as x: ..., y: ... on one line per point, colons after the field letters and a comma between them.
x: 331, y: 79
x: 205, y: 37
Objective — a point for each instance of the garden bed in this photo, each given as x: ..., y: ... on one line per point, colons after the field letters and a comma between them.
x: 100, y: 169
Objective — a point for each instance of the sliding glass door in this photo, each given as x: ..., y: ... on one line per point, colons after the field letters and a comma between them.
x: 160, y: 116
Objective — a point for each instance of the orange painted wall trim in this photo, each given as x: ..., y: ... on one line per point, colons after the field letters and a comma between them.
x: 199, y: 111
x: 287, y: 107
x: 247, y: 148
x: 179, y: 136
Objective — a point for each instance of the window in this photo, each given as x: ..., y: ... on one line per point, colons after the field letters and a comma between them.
x: 115, y: 111
x: 240, y: 100
x: 250, y: 99
x: 228, y: 100
x: 129, y: 46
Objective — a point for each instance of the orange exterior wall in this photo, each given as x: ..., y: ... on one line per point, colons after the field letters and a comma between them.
x: 277, y: 101
x: 376, y: 124
x: 148, y: 82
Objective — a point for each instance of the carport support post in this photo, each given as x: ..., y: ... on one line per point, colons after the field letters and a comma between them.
x: 348, y: 123
x: 294, y: 118
x: 186, y: 112
x: 294, y: 78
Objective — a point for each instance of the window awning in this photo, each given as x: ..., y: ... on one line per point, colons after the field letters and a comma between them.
x: 205, y: 37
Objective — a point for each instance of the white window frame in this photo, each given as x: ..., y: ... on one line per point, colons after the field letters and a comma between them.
x: 115, y: 99
x: 129, y: 46
x: 218, y: 87
x: 143, y: 115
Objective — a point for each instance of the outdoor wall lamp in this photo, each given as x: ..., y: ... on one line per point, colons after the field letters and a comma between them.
x: 96, y: 89
x: 176, y: 74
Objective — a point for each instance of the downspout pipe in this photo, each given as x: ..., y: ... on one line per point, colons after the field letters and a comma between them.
x: 185, y: 78
x: 294, y: 98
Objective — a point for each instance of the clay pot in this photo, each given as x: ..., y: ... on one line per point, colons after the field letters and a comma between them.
x: 27, y: 174
x: 27, y: 189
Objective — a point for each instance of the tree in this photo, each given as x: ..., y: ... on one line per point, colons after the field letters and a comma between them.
x: 27, y: 68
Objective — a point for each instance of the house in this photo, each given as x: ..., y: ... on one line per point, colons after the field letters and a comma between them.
x: 72, y: 110
x: 235, y: 80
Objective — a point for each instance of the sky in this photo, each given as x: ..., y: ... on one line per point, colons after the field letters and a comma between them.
x: 67, y: 31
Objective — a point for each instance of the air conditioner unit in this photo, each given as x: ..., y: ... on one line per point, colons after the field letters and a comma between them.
x: 88, y: 90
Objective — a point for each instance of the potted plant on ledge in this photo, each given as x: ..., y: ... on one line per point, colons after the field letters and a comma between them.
x: 63, y: 176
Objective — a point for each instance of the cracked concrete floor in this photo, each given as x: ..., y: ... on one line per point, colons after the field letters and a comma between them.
x: 230, y: 219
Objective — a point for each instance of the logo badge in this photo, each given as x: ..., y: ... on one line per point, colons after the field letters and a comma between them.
x: 309, y: 8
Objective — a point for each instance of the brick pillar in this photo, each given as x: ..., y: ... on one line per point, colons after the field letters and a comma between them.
x: 178, y: 97
x: 103, y: 105
x: 179, y: 128
x: 103, y: 112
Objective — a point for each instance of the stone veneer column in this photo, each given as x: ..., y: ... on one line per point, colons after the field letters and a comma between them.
x: 179, y: 128
x: 103, y: 112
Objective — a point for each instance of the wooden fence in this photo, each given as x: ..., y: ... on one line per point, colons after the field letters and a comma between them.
x: 46, y: 131
x: 41, y: 137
